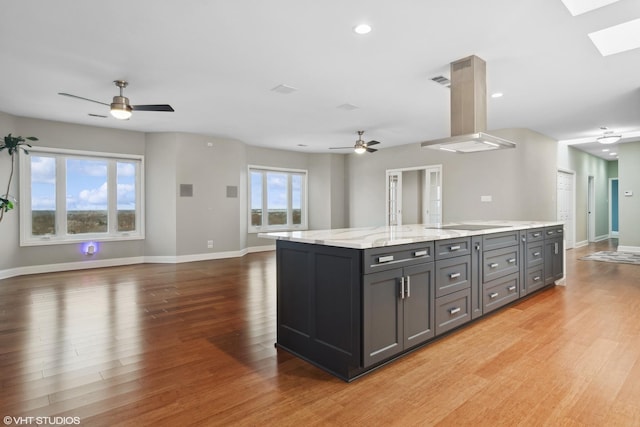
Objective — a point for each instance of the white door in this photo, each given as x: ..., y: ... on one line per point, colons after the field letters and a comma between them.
x: 394, y: 198
x: 591, y: 210
x: 432, y: 201
x: 565, y: 207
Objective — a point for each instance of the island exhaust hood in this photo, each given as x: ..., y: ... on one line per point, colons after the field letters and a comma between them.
x: 469, y: 111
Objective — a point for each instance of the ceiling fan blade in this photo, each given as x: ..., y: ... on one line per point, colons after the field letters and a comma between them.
x: 340, y: 148
x: 80, y: 97
x: 373, y: 143
x: 371, y: 150
x: 156, y: 107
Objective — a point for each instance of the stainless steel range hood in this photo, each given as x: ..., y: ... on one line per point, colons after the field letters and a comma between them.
x: 469, y: 111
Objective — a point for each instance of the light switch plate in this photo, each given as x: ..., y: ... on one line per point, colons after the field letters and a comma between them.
x: 486, y: 198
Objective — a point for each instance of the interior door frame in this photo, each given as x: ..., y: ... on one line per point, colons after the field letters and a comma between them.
x: 399, y: 171
x: 612, y: 233
x: 570, y: 232
x: 591, y: 208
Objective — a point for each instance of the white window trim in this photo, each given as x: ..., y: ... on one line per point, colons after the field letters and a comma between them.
x: 304, y: 202
x: 26, y: 239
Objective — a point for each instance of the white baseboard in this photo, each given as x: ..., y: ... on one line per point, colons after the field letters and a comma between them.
x: 614, y: 234
x: 81, y: 265
x: 632, y: 249
x: 581, y: 244
x: 601, y: 238
x: 68, y: 266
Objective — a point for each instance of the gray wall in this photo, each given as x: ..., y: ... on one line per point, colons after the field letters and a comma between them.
x: 521, y: 181
x: 629, y: 180
x: 585, y: 165
x: 64, y: 135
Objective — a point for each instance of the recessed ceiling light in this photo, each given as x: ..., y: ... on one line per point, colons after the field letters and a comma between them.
x: 362, y: 29
x: 605, y: 149
x: 613, y: 154
x: 619, y: 38
x: 578, y: 7
x: 497, y: 95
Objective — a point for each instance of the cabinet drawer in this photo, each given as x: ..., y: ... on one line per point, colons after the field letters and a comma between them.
x: 500, y: 292
x: 500, y: 240
x: 452, y: 247
x: 452, y: 310
x: 534, y: 279
x: 554, y: 231
x: 379, y: 259
x: 499, y: 263
x: 535, y: 235
x: 535, y: 253
x: 453, y: 274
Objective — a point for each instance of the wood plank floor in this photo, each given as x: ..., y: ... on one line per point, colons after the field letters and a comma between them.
x: 192, y: 344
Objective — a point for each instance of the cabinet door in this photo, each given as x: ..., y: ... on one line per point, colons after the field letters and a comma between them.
x: 558, y: 260
x: 418, y: 304
x: 382, y: 310
x: 553, y: 256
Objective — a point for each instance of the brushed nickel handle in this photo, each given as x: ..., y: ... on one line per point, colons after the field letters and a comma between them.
x: 493, y: 295
x: 454, y: 310
x: 454, y: 275
x: 536, y: 254
x: 408, y: 286
x: 535, y: 279
x: 511, y: 260
x: 512, y: 288
x: 549, y: 233
x: 454, y: 248
x: 536, y: 234
x: 386, y: 258
x: 494, y: 265
x: 402, y: 287
x: 420, y: 253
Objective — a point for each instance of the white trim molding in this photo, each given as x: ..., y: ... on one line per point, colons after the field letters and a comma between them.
x: 632, y: 249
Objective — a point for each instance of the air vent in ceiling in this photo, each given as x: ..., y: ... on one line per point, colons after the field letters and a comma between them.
x: 347, y: 107
x: 284, y: 89
x: 442, y: 80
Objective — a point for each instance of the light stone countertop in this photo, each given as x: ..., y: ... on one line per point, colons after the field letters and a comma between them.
x: 373, y: 237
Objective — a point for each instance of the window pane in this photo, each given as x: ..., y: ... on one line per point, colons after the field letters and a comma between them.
x: 296, y: 199
x: 256, y: 198
x: 43, y: 195
x: 126, y: 196
x: 277, y: 198
x: 86, y: 196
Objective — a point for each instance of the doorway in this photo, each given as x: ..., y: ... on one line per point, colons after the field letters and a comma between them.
x: 414, y: 195
x: 613, y: 208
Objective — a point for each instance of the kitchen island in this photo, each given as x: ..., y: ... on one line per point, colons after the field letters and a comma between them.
x: 352, y: 300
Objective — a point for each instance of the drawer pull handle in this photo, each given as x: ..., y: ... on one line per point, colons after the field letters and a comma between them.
x: 493, y: 295
x: 454, y: 248
x: 536, y: 234
x: 454, y: 275
x: 549, y: 233
x: 420, y: 253
x: 512, y: 288
x: 536, y: 254
x: 454, y: 310
x: 511, y: 260
x: 385, y: 258
x: 494, y: 265
x: 559, y: 231
x: 402, y: 287
x: 535, y: 279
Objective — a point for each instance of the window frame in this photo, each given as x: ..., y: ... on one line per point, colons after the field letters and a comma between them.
x: 304, y: 203
x: 61, y: 237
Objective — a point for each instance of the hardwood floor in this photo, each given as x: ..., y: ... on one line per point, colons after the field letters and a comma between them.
x: 159, y: 344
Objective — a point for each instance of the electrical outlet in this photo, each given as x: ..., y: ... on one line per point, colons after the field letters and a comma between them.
x: 486, y: 198
x: 210, y: 244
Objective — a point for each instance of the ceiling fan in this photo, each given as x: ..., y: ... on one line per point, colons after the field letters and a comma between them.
x: 120, y: 107
x: 360, y: 146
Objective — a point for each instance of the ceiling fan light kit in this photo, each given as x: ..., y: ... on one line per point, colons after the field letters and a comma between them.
x: 360, y: 146
x: 608, y: 137
x: 120, y: 108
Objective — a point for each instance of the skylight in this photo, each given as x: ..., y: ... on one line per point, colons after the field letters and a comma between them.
x: 578, y: 7
x: 619, y: 38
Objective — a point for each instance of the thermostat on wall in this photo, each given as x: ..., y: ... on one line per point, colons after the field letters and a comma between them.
x: 628, y: 193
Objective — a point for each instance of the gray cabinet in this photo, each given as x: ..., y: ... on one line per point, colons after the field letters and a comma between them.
x: 533, y: 260
x: 453, y: 279
x: 398, y: 311
x: 553, y: 254
x: 501, y: 264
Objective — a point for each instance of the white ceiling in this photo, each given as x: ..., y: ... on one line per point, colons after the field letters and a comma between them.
x: 216, y: 61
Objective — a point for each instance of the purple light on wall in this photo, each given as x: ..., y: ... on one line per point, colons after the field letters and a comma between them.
x: 89, y: 248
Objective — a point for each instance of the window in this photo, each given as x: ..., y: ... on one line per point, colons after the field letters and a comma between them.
x: 277, y: 199
x: 71, y: 196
